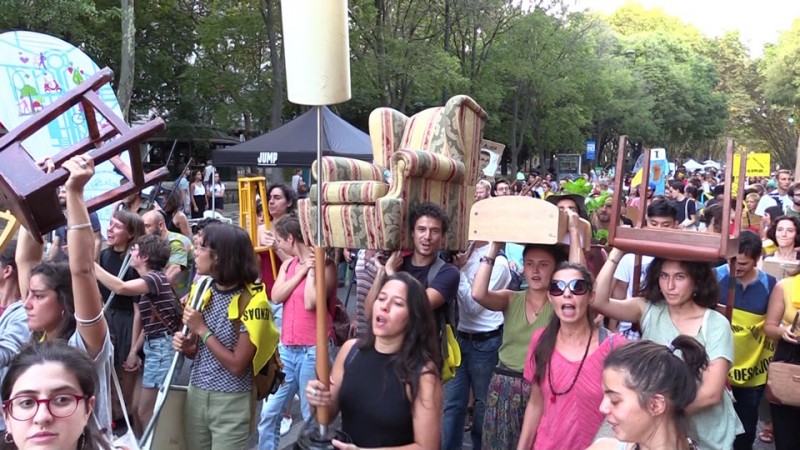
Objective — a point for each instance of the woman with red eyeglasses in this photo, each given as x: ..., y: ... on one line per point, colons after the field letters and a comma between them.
x: 565, y: 367
x: 49, y: 394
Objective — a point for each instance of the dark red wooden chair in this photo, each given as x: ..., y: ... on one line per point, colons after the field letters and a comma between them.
x: 30, y: 194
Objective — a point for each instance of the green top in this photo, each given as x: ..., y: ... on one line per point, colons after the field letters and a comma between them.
x: 517, y: 331
x: 716, y: 426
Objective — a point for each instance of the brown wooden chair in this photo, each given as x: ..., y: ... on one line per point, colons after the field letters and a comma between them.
x: 677, y: 244
x: 30, y: 194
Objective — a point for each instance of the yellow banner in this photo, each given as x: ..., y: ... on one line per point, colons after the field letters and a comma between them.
x: 757, y: 164
x: 752, y: 348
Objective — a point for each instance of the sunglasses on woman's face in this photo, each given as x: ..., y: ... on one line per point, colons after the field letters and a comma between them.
x: 577, y: 287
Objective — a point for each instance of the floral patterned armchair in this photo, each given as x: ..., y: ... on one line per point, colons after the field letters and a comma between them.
x: 433, y: 156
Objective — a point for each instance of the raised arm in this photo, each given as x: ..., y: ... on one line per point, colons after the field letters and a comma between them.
x: 118, y: 286
x: 575, y: 246
x: 491, y: 300
x: 630, y: 310
x: 80, y: 246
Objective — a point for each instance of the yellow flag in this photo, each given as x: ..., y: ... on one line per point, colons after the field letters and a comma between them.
x: 637, y: 179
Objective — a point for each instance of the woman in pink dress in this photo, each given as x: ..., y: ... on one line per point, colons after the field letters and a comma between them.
x: 565, y: 368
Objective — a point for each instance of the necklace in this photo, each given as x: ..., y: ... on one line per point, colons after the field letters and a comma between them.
x: 553, y: 393
x: 535, y: 312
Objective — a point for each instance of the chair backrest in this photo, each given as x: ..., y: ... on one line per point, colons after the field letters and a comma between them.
x: 453, y: 130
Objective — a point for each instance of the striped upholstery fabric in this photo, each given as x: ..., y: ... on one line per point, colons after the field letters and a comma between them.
x: 336, y: 168
x: 434, y: 157
x: 347, y: 192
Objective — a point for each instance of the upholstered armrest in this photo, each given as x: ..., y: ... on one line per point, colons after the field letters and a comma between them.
x: 420, y: 164
x: 337, y: 168
x: 350, y: 192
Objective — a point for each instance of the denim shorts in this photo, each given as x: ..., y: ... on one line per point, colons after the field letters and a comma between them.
x: 158, y: 354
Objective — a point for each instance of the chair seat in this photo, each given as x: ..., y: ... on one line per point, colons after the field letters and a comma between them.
x: 352, y: 192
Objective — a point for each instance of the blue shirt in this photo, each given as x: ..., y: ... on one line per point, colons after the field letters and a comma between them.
x: 752, y: 298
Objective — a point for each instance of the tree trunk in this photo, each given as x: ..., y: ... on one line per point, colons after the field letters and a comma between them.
x: 128, y: 58
x: 268, y: 13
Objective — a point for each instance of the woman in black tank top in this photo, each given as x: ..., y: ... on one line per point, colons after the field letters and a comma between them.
x: 386, y: 384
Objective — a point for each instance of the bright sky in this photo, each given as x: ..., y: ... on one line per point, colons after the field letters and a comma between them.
x: 758, y: 21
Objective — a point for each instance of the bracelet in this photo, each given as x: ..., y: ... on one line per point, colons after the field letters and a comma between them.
x: 89, y: 322
x: 79, y: 226
x: 205, y: 337
x: 615, y: 261
x: 487, y: 260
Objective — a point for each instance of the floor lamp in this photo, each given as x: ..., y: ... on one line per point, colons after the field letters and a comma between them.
x: 317, y: 54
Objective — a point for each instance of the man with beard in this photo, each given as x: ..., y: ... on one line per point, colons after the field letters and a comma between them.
x: 180, y: 258
x: 793, y: 210
x: 752, y: 348
x: 57, y: 252
x: 601, y: 219
x: 482, y: 190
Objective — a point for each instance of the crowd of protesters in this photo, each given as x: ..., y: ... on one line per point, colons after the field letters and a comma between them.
x: 555, y: 341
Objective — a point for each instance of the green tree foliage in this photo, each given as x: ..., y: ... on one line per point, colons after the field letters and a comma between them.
x: 549, y: 77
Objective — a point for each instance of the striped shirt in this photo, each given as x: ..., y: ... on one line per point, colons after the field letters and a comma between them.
x: 164, y: 318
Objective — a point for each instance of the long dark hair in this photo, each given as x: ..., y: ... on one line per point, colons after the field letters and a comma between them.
x: 706, y: 288
x: 236, y: 262
x: 419, y: 347
x: 650, y: 369
x: 288, y: 192
x: 76, y: 362
x: 547, y: 342
x: 56, y: 276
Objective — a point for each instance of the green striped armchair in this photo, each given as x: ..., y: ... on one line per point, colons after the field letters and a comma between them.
x: 434, y: 156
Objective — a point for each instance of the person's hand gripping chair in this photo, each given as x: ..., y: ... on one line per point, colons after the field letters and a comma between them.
x: 434, y: 156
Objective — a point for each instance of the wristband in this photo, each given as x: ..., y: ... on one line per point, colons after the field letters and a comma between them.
x: 487, y: 260
x: 79, y: 226
x: 205, y: 337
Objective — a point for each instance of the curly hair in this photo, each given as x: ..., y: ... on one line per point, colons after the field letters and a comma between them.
x: 773, y: 228
x: 428, y: 209
x: 704, y: 279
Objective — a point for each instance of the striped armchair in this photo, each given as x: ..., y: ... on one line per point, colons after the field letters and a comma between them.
x: 434, y: 156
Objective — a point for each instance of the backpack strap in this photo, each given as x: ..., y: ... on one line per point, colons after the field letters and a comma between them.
x: 437, y: 265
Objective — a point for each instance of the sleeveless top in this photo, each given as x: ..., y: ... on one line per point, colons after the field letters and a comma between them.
x: 169, y: 219
x: 376, y: 411
x: 517, y: 331
x: 198, y: 189
x: 791, y: 294
x: 299, y: 326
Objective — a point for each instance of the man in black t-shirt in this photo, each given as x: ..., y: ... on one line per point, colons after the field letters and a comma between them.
x: 428, y: 224
x: 687, y: 209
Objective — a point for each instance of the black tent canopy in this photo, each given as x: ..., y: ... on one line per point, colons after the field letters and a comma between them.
x: 295, y: 143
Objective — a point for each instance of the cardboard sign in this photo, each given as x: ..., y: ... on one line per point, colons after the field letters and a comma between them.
x: 491, y: 152
x: 659, y: 168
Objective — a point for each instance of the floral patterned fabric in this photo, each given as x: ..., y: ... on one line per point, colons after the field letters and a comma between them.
x: 434, y: 157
